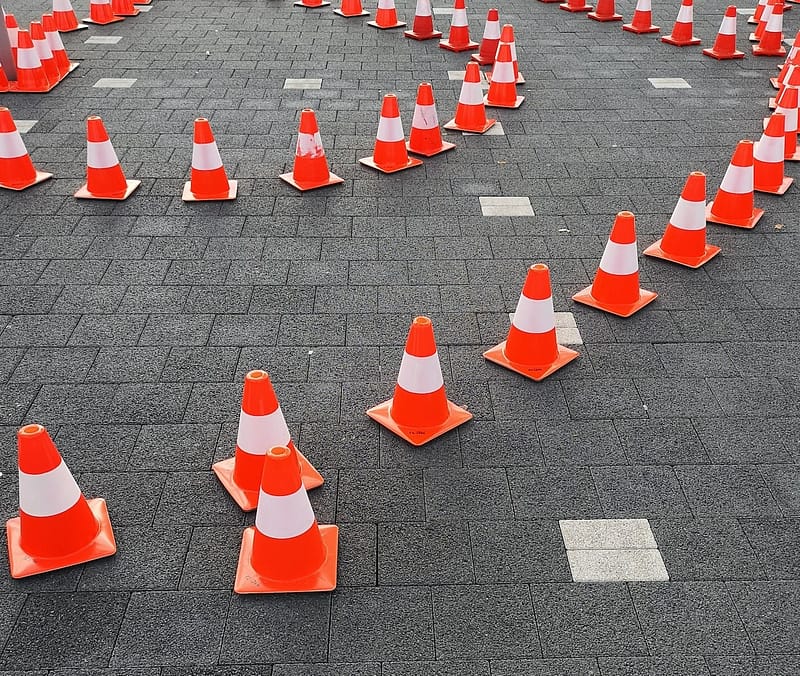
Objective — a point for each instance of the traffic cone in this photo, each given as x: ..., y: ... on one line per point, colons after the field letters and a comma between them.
x: 209, y: 181
x: 503, y: 86
x: 507, y: 37
x: 490, y: 42
x: 12, y: 28
x: 575, y: 6
x: 419, y: 410
x: 261, y: 427
x: 105, y: 179
x: 123, y: 8
x: 56, y: 527
x: 31, y: 75
x: 771, y: 42
x: 351, y: 8
x: 311, y: 4
x: 642, y: 21
x: 426, y: 137
x: 725, y: 44
x: 65, y: 66
x: 44, y: 53
x: 795, y: 48
x: 787, y: 104
x: 755, y: 36
x: 684, y: 240
x: 605, y: 11
x: 756, y: 16
x: 616, y: 284
x: 733, y: 204
x: 16, y: 167
x: 66, y: 21
x: 547, y: 2
x: 100, y: 13
x: 531, y: 347
x: 4, y: 85
x: 389, y: 153
x: 310, y: 168
x: 471, y: 110
x: 768, y: 163
x: 683, y: 31
x: 458, y: 39
x: 789, y: 75
x: 286, y: 551
x: 422, y: 28
x: 386, y: 16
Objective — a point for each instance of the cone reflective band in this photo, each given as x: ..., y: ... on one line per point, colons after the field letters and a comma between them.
x: 422, y: 28
x: 755, y: 36
x: 771, y: 42
x: 44, y: 53
x: 575, y: 6
x: 725, y: 44
x: 682, y: 31
x: 16, y: 167
x: 768, y: 163
x: 507, y: 37
x: 209, y: 181
x: 733, y: 204
x: 310, y: 169
x: 389, y: 153
x: 503, y: 86
x: 684, y: 240
x: 471, y: 111
x: 458, y: 39
x: 426, y: 137
x: 386, y: 16
x: 786, y: 103
x: 12, y: 28
x: 65, y: 18
x: 31, y: 75
x: 490, y: 42
x: 57, y: 46
x: 605, y: 11
x: 351, y: 8
x: 123, y: 8
x: 104, y: 176
x: 756, y: 17
x: 100, y: 13
x: 642, y: 19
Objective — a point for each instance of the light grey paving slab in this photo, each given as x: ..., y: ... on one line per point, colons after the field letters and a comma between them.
x: 103, y: 40
x: 24, y: 126
x: 669, y: 83
x: 442, y: 11
x: 506, y: 206
x: 495, y: 130
x: 617, y: 565
x: 607, y: 534
x: 115, y: 82
x: 302, y: 83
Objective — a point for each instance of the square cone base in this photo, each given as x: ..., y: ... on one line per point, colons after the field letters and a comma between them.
x: 720, y: 56
x: 517, y: 103
x: 569, y: 8
x: 13, y: 88
x: 640, y: 31
x: 350, y: 16
x: 452, y: 125
x: 596, y: 17
x: 248, y: 581
x: 333, y: 179
x: 655, y: 251
x: 430, y: 153
x: 104, y: 23
x: 538, y: 372
x: 450, y: 47
x: 79, y: 27
x: 775, y: 84
x: 41, y: 176
x: 135, y: 12
x: 418, y: 436
x: 779, y: 190
x: 423, y: 36
x: 668, y: 39
x: 189, y: 196
x: 300, y: 4
x: 72, y: 66
x: 370, y: 162
x: 83, y: 193
x: 758, y: 51
x: 23, y: 564
x: 747, y: 223
x: 619, y: 309
x: 482, y: 60
x: 792, y: 158
x: 374, y: 24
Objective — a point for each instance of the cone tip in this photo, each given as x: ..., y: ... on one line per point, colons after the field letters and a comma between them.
x: 507, y: 33
x: 279, y: 452
x: 624, y: 228
x: 420, y: 342
x: 36, y: 451
x: 537, y: 283
x: 390, y: 106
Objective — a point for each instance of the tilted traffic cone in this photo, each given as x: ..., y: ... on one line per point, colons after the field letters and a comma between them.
x: 771, y: 42
x: 787, y: 104
x: 57, y: 526
x: 65, y: 66
x: 310, y: 168
x: 286, y: 551
x: 733, y: 204
x: 209, y: 181
x: 490, y: 42
x: 684, y: 240
x: 605, y: 11
x: 31, y: 75
x: 616, y: 284
x: 351, y: 8
x: 507, y: 37
x: 124, y: 8
x: 311, y: 4
x: 422, y: 28
x: 389, y: 153
x: 503, y: 86
x: 471, y: 110
x: 756, y: 16
x: 261, y: 427
x: 458, y: 39
x: 12, y: 28
x: 575, y: 6
x: 16, y: 167
x: 419, y: 410
x: 44, y: 53
x: 100, y: 13
x: 386, y: 16
x: 755, y: 36
x: 725, y: 44
x: 426, y: 137
x: 683, y: 31
x: 531, y: 347
x: 65, y: 18
x: 105, y: 179
x: 768, y: 163
x: 642, y: 21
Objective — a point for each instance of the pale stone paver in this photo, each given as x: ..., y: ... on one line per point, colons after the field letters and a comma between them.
x: 103, y: 40
x: 495, y: 130
x: 506, y: 206
x: 669, y: 83
x: 24, y: 126
x: 617, y: 565
x: 115, y: 82
x: 607, y: 534
x: 303, y: 83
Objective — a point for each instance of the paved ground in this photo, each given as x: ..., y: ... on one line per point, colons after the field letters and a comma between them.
x: 126, y: 329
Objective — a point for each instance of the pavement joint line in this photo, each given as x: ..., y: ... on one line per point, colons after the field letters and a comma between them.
x: 495, y: 130
x: 506, y: 206
x: 617, y: 565
x: 669, y: 83
x: 302, y: 83
x: 115, y: 82
x: 24, y: 126
x: 103, y: 40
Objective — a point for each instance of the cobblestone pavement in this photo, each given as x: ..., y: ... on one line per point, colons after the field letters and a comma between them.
x: 126, y: 328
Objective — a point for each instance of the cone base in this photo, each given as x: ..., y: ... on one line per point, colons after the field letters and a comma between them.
x: 619, y: 309
x: 189, y: 196
x: 758, y: 51
x: 430, y: 153
x: 722, y: 56
x: 549, y: 2
x: 83, y: 193
x: 142, y: 2
x: 135, y: 12
x: 655, y: 251
x: 79, y: 27
x: 482, y: 60
x: 13, y: 88
x: 41, y: 176
x: 639, y: 30
x: 537, y: 373
x: 248, y: 581
x: 475, y: 130
x: 668, y: 39
x: 300, y: 4
x: 23, y: 564
x: 772, y: 105
x: 248, y: 500
x: 333, y: 179
x: 422, y: 36
x: 775, y: 84
x: 792, y: 158
x: 370, y: 162
x: 450, y: 47
x: 779, y: 190
x: 103, y: 23
x: 747, y: 223
x: 375, y: 24
x: 417, y: 436
x: 517, y: 103
x: 350, y: 16
x: 569, y: 8
x: 610, y: 17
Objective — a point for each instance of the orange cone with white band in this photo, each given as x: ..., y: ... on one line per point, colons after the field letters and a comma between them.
x: 756, y: 35
x: 31, y: 74
x: 12, y: 28
x: 66, y: 21
x: 386, y: 16
x: 124, y: 8
x: 209, y: 181
x: 795, y: 48
x: 419, y: 410
x: 351, y: 8
x: 491, y: 40
x: 105, y: 179
x: 44, y: 53
x: 531, y: 347
x: 683, y: 31
x: 261, y: 427
x: 725, y: 44
x: 733, y: 204
x: 16, y: 167
x: 788, y: 75
x: 616, y: 284
x: 471, y: 110
x: 310, y: 168
x: 756, y: 16
x: 684, y: 240
x: 458, y: 39
x: 575, y: 6
x: 507, y: 37
x: 768, y: 163
x: 771, y: 42
x: 642, y: 21
x: 286, y: 551
x: 786, y: 103
x: 503, y: 86
x: 422, y: 28
x: 426, y: 137
x: 389, y: 153
x: 57, y: 526
x: 65, y: 66
x: 100, y: 13
x: 605, y: 11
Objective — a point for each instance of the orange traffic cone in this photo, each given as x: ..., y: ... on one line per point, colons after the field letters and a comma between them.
x: 768, y: 164
x: 123, y: 8
x: 458, y: 39
x: 386, y: 16
x: 66, y: 21
x: 208, y: 181
x: 789, y: 75
x: 422, y: 28
x: 56, y: 527
x: 44, y: 53
x: 65, y: 66
x: 261, y: 427
x: 733, y: 204
x: 575, y: 6
x: 616, y: 284
x: 12, y: 28
x: 419, y: 410
x: 100, y: 13
x: 531, y: 347
x: 490, y: 42
x: 548, y: 1
x: 795, y: 48
x: 684, y: 240
x: 771, y: 42
x: 471, y: 110
x: 351, y: 8
x: 4, y: 85
x: 756, y: 16
x: 311, y: 4
x: 725, y: 44
x: 683, y: 31
x: 642, y: 21
x: 286, y: 551
x: 755, y: 36
x: 31, y: 75
x: 426, y: 137
x: 787, y: 104
x: 16, y: 167
x: 507, y: 37
x: 105, y: 179
x: 310, y: 168
x: 389, y: 153
x: 503, y: 86
x: 606, y: 11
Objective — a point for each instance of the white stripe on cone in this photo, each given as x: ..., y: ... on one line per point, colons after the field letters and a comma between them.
x: 775, y: 23
x: 769, y: 149
x: 54, y: 41
x: 205, y: 156
x: 643, y: 6
x: 385, y: 4
x: 62, y: 6
x: 28, y: 58
x: 390, y: 129
x: 459, y: 18
x: 790, y: 118
x: 471, y: 94
x: 685, y: 14
x: 48, y: 494
x: 258, y: 433
x: 738, y: 180
x: 728, y: 26
x: 689, y: 215
x: 11, y: 145
x: 423, y: 8
x: 42, y: 49
x: 309, y: 145
x: 534, y: 316
x: 503, y: 71
x: 101, y: 155
x: 284, y: 516
x: 13, y: 36
x: 492, y: 30
x: 420, y: 375
x: 425, y: 117
x: 620, y: 259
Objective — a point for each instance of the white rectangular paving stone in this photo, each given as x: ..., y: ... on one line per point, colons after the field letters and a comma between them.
x: 669, y: 83
x: 458, y: 76
x: 746, y: 11
x: 495, y: 130
x: 617, y: 565
x: 144, y: 8
x: 567, y: 332
x: 115, y: 82
x: 302, y: 83
x: 506, y: 206
x: 441, y: 11
x: 607, y: 534
x: 103, y: 40
x: 24, y: 126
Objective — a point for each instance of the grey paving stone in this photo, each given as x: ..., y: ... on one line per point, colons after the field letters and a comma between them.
x: 346, y: 445
x: 498, y: 444
x: 449, y: 668
x: 108, y: 330
x: 89, y: 299
x: 176, y: 330
x: 783, y: 483
x: 604, y: 398
x: 454, y: 494
x: 763, y: 665
x: 174, y: 447
x: 539, y: 493
x: 546, y: 667
x: 211, y: 557
x: 132, y: 498
x: 775, y: 545
x: 769, y: 613
x: 378, y: 495
x: 337, y: 669
x: 242, y: 330
x: 580, y: 442
x: 653, y: 666
x: 32, y: 329
x: 11, y: 604
x: 95, y: 448
x: 68, y: 364
x: 196, y: 498
x: 639, y: 491
x: 726, y: 490
x: 528, y: 400
x: 213, y: 671
x: 127, y: 365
